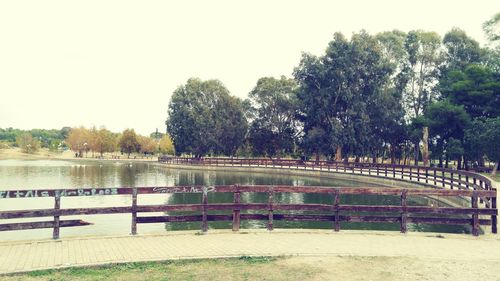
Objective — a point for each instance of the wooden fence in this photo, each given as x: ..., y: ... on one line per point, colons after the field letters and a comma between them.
x: 335, y: 212
x: 430, y: 176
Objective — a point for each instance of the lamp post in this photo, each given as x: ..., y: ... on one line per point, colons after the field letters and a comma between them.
x: 85, y: 148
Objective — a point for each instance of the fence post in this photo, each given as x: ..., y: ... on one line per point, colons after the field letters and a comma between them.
x: 434, y: 177
x: 133, y: 229
x: 270, y: 209
x: 403, y: 226
x: 236, y: 211
x: 204, y: 202
x: 336, y: 202
x: 475, y: 215
x: 494, y: 217
x: 57, y: 223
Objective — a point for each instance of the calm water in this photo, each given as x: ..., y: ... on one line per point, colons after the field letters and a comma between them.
x: 36, y: 174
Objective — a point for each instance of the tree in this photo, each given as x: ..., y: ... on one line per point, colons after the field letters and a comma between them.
x: 166, y: 146
x: 419, y: 76
x: 477, y: 88
x: 78, y: 139
x: 102, y: 141
x: 447, y: 124
x: 460, y: 51
x: 274, y: 128
x: 492, y: 28
x: 26, y: 142
x: 147, y: 145
x: 204, y: 118
x: 128, y: 142
x: 337, y: 93
x: 492, y: 143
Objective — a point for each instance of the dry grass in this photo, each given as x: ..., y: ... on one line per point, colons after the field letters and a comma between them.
x: 216, y: 269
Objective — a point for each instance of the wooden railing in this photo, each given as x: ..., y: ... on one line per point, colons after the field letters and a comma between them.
x: 435, y: 177
x: 335, y: 212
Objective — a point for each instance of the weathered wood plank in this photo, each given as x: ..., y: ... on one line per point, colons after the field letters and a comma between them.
x: 42, y: 224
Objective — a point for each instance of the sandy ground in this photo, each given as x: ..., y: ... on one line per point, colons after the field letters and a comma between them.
x: 16, y: 153
x: 396, y: 268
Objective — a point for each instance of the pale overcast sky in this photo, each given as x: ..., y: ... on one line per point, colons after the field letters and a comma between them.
x: 116, y: 63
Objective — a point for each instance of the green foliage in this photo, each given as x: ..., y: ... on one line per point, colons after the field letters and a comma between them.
x: 477, y: 88
x: 274, y: 127
x: 339, y: 93
x: 492, y: 28
x: 203, y: 118
x: 492, y: 139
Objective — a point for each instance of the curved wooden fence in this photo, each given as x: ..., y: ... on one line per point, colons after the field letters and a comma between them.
x: 335, y: 212
x: 434, y: 177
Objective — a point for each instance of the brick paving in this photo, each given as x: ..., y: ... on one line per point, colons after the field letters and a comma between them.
x: 24, y: 256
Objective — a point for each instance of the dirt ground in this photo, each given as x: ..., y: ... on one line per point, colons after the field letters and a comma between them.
x: 397, y: 268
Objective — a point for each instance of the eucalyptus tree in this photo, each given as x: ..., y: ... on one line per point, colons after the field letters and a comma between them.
x: 274, y: 127
x: 419, y: 77
x: 203, y: 118
x: 339, y: 92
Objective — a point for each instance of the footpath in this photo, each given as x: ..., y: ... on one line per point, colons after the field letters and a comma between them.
x: 22, y: 256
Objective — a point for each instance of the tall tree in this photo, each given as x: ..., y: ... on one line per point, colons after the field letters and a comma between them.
x: 203, y: 118
x: 419, y: 76
x: 274, y: 128
x: 337, y: 92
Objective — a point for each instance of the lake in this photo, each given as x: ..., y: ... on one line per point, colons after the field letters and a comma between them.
x: 46, y: 174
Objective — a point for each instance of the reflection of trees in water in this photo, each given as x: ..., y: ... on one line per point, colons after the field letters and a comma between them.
x: 300, y: 198
x: 90, y: 175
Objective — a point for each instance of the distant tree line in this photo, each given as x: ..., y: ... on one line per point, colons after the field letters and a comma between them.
x: 394, y: 97
x: 82, y: 141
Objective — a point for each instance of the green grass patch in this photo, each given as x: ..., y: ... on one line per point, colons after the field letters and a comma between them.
x: 242, y: 268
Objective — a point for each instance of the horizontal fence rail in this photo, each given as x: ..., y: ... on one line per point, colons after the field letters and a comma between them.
x: 269, y: 211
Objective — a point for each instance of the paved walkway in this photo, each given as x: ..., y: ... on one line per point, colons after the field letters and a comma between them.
x: 44, y: 254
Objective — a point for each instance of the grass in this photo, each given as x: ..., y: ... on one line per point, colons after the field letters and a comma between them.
x: 243, y: 268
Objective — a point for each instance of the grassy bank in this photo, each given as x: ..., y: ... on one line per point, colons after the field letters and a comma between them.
x: 292, y: 268
x: 244, y: 268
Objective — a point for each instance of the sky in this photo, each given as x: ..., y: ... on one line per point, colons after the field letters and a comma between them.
x: 116, y: 63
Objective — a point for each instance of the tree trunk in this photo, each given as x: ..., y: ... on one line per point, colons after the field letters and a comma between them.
x: 393, y: 155
x: 338, y: 154
x: 446, y: 163
x: 440, y: 165
x: 317, y: 158
x: 459, y: 164
x: 356, y: 159
x: 495, y: 168
x: 417, y: 152
x: 425, y: 140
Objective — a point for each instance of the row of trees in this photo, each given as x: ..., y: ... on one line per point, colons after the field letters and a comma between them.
x: 393, y: 95
x: 82, y: 140
x: 52, y: 139
x: 102, y: 140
